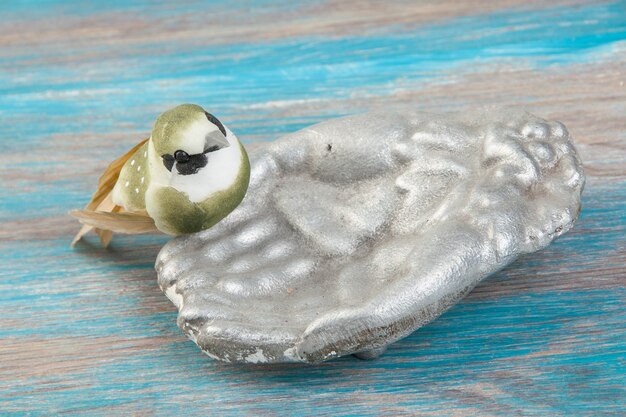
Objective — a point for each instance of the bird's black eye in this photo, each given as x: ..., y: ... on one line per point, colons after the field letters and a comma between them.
x: 181, y: 156
x: 168, y: 161
x: 216, y: 122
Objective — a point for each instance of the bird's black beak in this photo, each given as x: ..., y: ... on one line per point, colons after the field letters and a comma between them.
x: 190, y: 164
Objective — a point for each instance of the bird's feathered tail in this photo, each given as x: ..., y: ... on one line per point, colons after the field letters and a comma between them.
x: 104, y: 216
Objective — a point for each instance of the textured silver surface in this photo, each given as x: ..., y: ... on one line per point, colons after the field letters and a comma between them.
x: 357, y: 231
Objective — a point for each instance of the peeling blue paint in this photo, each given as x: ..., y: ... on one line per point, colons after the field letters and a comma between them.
x: 232, y: 76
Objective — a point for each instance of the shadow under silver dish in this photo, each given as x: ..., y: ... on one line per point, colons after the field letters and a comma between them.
x: 357, y: 231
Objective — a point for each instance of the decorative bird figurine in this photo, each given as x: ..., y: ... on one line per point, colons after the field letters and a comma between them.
x: 190, y: 174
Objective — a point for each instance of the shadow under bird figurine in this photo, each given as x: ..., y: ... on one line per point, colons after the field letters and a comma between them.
x: 353, y: 233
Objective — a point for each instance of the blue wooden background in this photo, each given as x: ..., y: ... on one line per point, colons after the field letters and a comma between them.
x: 87, y: 331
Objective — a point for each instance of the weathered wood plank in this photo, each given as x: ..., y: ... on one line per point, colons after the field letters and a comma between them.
x: 89, y: 332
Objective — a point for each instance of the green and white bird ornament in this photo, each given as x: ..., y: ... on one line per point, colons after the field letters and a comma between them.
x: 190, y: 174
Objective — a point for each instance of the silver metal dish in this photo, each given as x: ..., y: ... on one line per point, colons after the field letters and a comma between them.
x: 357, y: 231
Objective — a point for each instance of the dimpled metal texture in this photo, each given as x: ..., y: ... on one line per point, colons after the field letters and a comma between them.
x: 357, y: 231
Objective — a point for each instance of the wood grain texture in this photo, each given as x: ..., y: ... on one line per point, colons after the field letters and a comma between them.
x: 88, y: 332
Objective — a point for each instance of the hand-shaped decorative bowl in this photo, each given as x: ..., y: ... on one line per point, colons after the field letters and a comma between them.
x: 357, y: 231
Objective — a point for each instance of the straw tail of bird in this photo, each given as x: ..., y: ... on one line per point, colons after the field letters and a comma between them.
x: 186, y: 177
